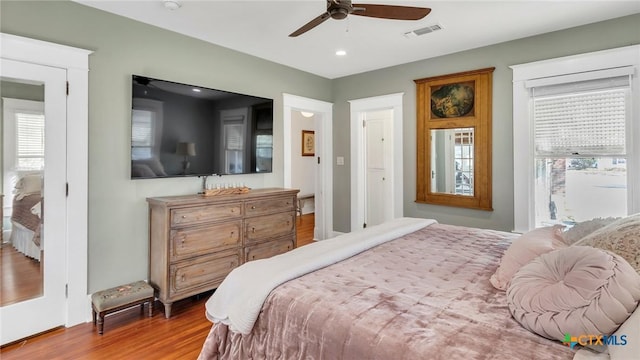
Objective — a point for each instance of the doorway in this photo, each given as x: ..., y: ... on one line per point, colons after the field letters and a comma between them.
x: 316, y: 181
x: 376, y: 160
x: 62, y: 299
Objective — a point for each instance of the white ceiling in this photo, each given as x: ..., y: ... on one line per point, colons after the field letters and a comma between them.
x: 261, y: 28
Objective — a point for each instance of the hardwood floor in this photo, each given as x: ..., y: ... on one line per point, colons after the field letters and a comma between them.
x: 130, y: 334
x: 21, y: 276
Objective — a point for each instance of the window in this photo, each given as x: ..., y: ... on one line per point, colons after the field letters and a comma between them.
x: 29, y: 140
x: 142, y: 130
x: 579, y: 125
x: 146, y: 128
x: 234, y: 147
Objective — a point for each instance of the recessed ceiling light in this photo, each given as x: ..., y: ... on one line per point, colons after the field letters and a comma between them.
x: 196, y: 90
x: 172, y: 4
x: 341, y: 52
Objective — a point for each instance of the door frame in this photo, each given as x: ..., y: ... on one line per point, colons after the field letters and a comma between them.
x: 323, y: 200
x: 76, y: 63
x: 358, y: 107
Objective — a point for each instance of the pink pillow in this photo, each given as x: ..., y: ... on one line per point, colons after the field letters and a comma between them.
x: 524, y: 249
x: 575, y: 290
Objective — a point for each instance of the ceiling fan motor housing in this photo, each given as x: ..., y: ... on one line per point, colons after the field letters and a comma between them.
x: 339, y: 9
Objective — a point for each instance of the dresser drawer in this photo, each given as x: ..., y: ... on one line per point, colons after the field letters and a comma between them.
x: 201, y: 274
x: 269, y: 206
x: 269, y: 226
x: 268, y: 249
x: 191, y: 241
x: 206, y: 213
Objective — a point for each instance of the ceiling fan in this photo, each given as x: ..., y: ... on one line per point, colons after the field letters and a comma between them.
x: 339, y: 9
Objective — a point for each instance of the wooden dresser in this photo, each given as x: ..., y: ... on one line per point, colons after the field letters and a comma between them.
x: 195, y: 241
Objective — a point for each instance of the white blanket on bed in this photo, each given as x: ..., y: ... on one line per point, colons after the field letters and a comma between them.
x: 238, y: 300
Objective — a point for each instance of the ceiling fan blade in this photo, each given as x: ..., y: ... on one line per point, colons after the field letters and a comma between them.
x: 390, y: 11
x: 311, y: 24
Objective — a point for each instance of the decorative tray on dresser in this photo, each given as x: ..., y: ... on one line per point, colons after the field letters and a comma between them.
x: 196, y: 240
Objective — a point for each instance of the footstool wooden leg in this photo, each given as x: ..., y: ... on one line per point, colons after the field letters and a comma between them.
x: 100, y: 323
x: 151, y: 307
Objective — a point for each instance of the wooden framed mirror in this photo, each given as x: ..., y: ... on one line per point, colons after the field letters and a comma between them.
x: 454, y: 139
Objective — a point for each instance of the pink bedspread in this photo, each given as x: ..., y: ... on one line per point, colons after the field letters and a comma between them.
x: 423, y: 296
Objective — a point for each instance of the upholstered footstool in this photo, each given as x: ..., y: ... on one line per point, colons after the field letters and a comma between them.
x: 118, y: 298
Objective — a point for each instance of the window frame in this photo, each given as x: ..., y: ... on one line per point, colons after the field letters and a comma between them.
x: 570, y: 68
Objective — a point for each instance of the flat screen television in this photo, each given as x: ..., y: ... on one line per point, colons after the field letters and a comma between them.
x: 185, y: 130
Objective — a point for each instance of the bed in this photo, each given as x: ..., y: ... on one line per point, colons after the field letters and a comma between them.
x: 409, y: 289
x: 26, y: 216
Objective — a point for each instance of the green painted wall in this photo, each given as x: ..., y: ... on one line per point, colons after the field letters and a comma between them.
x: 118, y: 235
x: 599, y: 36
x: 117, y: 208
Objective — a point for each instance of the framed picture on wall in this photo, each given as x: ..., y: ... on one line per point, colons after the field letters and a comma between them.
x: 308, y: 143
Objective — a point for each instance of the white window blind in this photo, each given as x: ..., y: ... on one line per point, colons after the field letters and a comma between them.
x: 586, y: 118
x: 29, y: 141
x: 233, y: 134
x: 141, y: 134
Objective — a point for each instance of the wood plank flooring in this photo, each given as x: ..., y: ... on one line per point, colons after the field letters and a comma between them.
x: 21, y: 276
x: 130, y: 334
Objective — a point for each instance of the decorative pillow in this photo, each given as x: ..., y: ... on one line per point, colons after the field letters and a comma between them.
x: 27, y: 185
x: 524, y: 249
x: 576, y: 290
x: 142, y: 170
x: 156, y: 166
x: 580, y: 230
x: 621, y: 237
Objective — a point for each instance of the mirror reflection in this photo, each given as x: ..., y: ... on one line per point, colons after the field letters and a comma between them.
x: 22, y: 176
x: 452, y: 163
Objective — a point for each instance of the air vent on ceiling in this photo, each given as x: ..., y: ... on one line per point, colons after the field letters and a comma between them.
x: 424, y: 30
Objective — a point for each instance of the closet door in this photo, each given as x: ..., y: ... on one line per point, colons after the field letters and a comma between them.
x: 45, y: 309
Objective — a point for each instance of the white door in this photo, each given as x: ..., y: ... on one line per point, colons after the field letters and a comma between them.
x: 377, y: 160
x: 47, y: 310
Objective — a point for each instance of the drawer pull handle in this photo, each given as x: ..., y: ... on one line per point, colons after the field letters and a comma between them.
x: 184, y: 216
x: 182, y: 277
x: 253, y: 207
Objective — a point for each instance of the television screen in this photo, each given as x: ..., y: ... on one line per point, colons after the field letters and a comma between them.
x: 185, y: 130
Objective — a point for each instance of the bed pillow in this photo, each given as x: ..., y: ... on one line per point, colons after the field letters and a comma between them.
x: 28, y: 185
x: 576, y: 290
x: 580, y: 230
x: 621, y: 237
x: 524, y: 249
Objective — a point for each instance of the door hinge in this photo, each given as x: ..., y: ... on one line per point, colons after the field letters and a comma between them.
x: 67, y: 88
x: 66, y: 291
x: 364, y: 123
x: 318, y: 159
x: 67, y: 189
x: 364, y: 225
